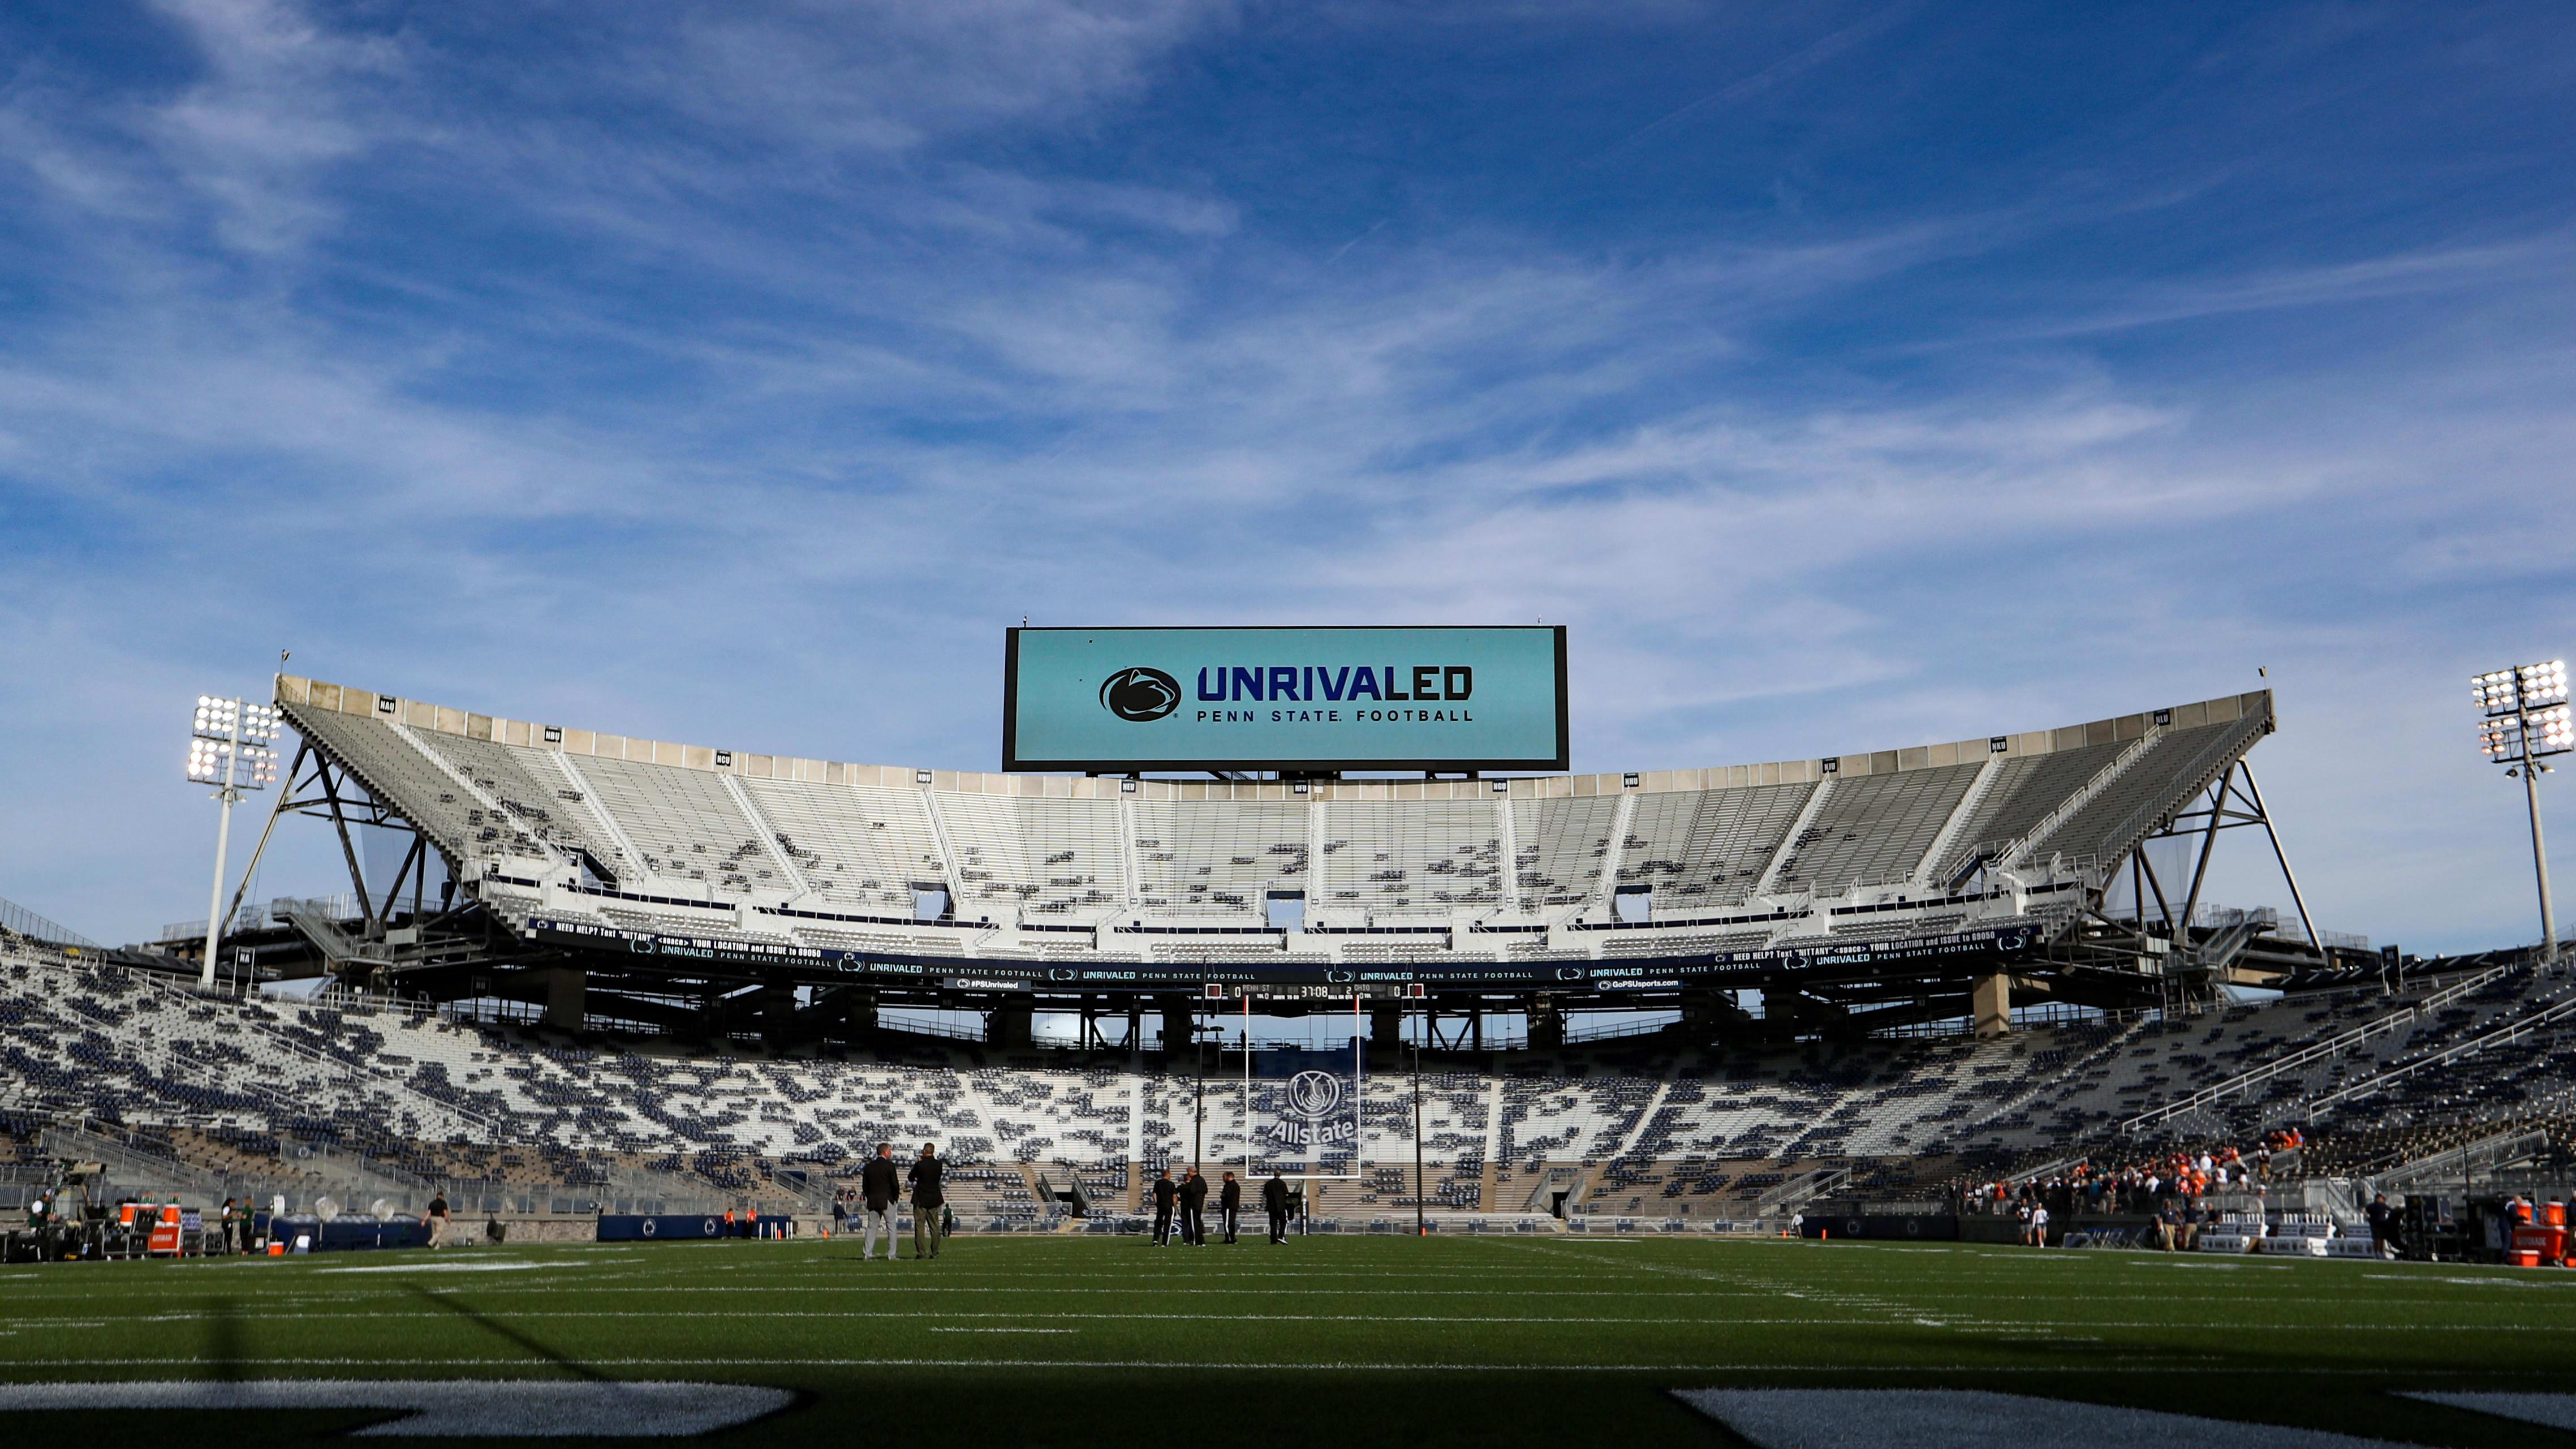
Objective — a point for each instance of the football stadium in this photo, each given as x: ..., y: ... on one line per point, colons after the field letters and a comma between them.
x: 1284, y: 1044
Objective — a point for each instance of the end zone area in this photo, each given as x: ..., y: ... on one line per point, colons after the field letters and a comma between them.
x: 1364, y: 1340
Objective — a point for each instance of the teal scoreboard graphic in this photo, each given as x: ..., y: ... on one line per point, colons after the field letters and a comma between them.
x: 1110, y: 701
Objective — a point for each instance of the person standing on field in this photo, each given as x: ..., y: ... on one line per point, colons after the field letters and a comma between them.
x: 927, y: 1200
x: 2383, y: 1225
x: 1194, y: 1196
x: 1274, y: 1201
x: 1229, y: 1205
x: 878, y: 1190
x: 1167, y: 1193
x: 436, y: 1221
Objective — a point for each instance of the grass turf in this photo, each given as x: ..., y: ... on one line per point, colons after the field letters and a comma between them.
x: 1345, y: 1340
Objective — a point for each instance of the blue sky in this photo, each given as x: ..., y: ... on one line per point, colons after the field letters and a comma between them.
x: 1845, y: 376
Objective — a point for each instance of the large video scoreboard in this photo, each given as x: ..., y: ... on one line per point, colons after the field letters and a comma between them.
x: 1113, y: 701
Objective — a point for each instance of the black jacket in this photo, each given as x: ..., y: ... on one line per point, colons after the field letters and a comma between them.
x: 1194, y: 1191
x: 924, y: 1178
x: 1165, y: 1190
x: 879, y: 1185
x: 1230, y: 1195
x: 1274, y: 1195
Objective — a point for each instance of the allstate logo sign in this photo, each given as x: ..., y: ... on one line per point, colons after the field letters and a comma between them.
x: 1312, y: 1114
x: 1314, y: 1094
x: 1140, y: 695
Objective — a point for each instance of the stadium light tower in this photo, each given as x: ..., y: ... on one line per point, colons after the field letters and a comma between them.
x: 2526, y: 721
x: 228, y: 748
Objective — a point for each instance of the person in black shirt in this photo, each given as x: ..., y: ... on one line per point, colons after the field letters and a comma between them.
x: 1274, y: 1201
x: 927, y: 1200
x: 878, y: 1190
x: 1194, y: 1195
x: 1229, y: 1205
x: 1166, y: 1193
x: 2383, y: 1225
x: 436, y: 1221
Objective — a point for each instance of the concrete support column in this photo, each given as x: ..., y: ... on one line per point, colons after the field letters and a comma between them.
x: 567, y: 994
x: 1176, y: 1012
x: 859, y: 1010
x: 1546, y: 1023
x: 1990, y: 1002
x: 1386, y: 1026
x: 1012, y: 1024
x: 1779, y: 1010
x: 1709, y: 1016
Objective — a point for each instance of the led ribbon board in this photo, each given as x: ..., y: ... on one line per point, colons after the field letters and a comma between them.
x: 1117, y: 700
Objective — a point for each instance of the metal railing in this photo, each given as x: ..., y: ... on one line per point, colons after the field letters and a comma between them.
x: 271, y: 1034
x: 2310, y: 1055
x: 2493, y: 1152
x: 2512, y: 1031
x: 259, y: 915
x: 1799, y: 1190
x: 18, y: 919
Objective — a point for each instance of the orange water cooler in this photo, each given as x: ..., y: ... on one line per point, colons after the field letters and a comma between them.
x: 165, y: 1232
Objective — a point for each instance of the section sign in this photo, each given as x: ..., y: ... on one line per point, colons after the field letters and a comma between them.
x: 1116, y: 700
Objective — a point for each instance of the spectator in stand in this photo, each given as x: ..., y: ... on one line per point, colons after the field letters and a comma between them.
x: 878, y: 1188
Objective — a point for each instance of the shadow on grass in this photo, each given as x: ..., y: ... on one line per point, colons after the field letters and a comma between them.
x: 495, y: 1326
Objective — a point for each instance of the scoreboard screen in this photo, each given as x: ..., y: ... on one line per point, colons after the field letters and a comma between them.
x: 1112, y: 701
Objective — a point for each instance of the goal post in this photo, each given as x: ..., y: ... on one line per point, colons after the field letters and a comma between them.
x: 1313, y: 1110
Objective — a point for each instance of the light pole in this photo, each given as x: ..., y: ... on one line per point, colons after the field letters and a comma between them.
x: 228, y: 748
x: 1421, y: 1026
x: 2526, y: 721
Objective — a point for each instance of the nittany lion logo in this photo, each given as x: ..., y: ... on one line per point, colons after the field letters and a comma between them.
x: 1140, y: 695
x: 1314, y: 1094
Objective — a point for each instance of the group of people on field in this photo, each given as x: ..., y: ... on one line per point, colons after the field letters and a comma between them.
x: 884, y: 1183
x: 1190, y: 1195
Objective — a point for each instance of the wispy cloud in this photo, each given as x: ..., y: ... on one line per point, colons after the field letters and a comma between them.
x: 737, y: 375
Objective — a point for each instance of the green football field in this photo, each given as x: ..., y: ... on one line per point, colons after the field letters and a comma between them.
x: 1498, y: 1340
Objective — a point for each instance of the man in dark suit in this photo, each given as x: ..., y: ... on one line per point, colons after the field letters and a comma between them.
x: 1274, y: 1200
x: 1194, y: 1193
x: 1229, y: 1205
x: 878, y: 1190
x: 927, y: 1200
x: 1166, y: 1194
